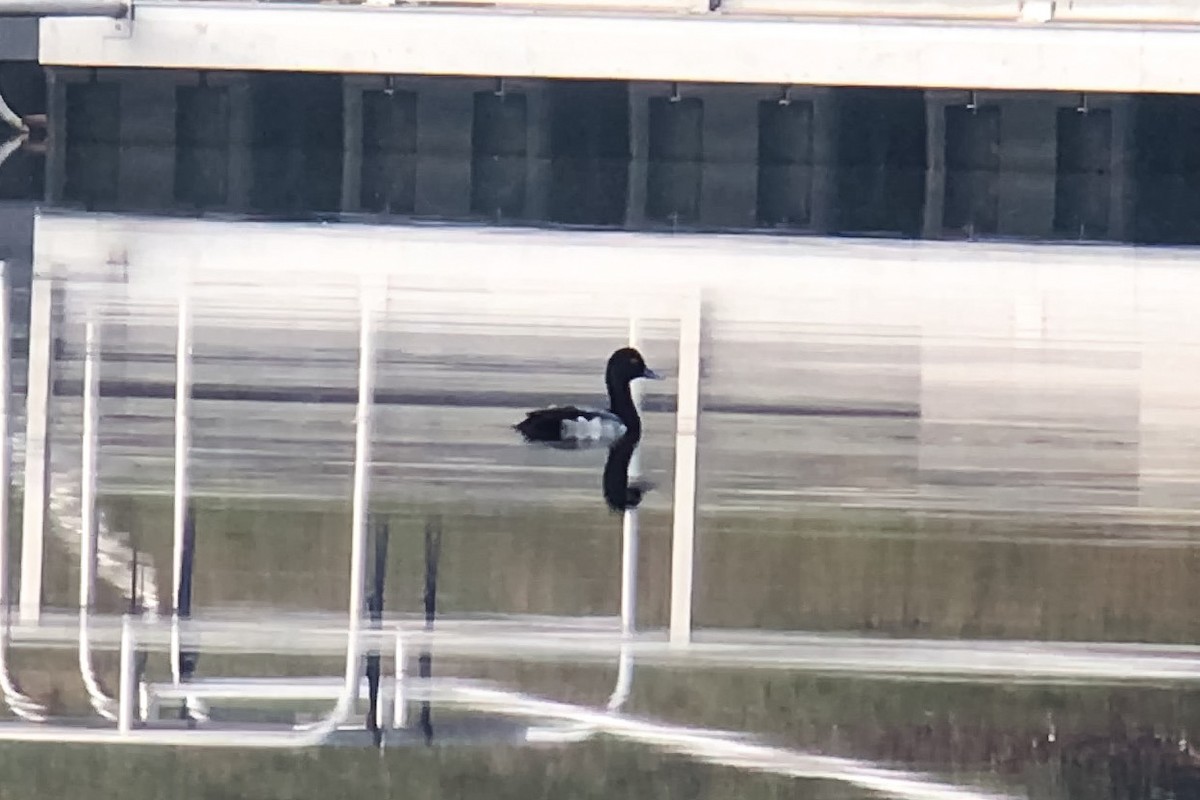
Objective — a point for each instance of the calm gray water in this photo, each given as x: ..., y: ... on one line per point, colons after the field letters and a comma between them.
x: 933, y: 528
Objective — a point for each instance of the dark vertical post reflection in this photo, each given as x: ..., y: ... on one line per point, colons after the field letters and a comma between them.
x: 379, y: 529
x: 137, y: 606
x: 183, y: 602
x: 433, y: 551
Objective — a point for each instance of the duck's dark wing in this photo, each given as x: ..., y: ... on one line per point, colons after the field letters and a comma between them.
x: 546, y: 424
x: 618, y: 493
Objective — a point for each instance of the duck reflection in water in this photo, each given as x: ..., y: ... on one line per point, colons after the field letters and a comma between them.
x: 619, y: 493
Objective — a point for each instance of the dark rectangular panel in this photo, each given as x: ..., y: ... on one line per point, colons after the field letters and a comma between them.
x: 972, y: 169
x: 880, y: 145
x: 785, y: 156
x: 499, y: 155
x: 389, y: 166
x: 1083, y: 180
x: 589, y: 152
x: 676, y: 159
x: 202, y: 146
x: 93, y: 127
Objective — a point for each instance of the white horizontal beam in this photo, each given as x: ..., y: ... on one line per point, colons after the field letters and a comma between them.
x: 317, y: 687
x: 1136, y: 12
x: 509, y: 638
x: 681, y: 47
x: 466, y: 276
x: 1148, y: 12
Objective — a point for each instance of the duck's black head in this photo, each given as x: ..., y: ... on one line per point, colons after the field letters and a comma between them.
x: 627, y: 365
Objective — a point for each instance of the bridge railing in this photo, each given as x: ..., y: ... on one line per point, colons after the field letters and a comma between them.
x: 1158, y: 12
x: 1161, y: 12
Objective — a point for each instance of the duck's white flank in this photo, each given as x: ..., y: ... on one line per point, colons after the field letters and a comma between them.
x: 596, y: 425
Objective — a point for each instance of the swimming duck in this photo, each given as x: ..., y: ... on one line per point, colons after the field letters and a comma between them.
x: 573, y: 425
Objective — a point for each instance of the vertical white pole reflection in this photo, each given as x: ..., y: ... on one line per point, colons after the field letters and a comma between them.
x: 629, y: 531
x: 89, y: 527
x: 128, y: 679
x: 87, y: 489
x: 18, y: 703
x: 37, y: 444
x: 398, y: 702
x: 371, y: 301
x: 629, y: 560
x: 183, y: 396
x: 683, y: 538
x: 5, y: 433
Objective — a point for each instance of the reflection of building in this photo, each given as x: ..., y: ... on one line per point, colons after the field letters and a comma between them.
x: 640, y: 155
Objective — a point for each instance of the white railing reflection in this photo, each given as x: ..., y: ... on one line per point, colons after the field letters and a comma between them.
x: 373, y: 295
x: 550, y: 721
x: 124, y: 708
x: 136, y: 707
x: 17, y: 702
x: 721, y: 747
x: 89, y: 528
x: 5, y: 433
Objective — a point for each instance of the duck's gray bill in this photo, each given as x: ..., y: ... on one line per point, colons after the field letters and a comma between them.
x: 651, y: 374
